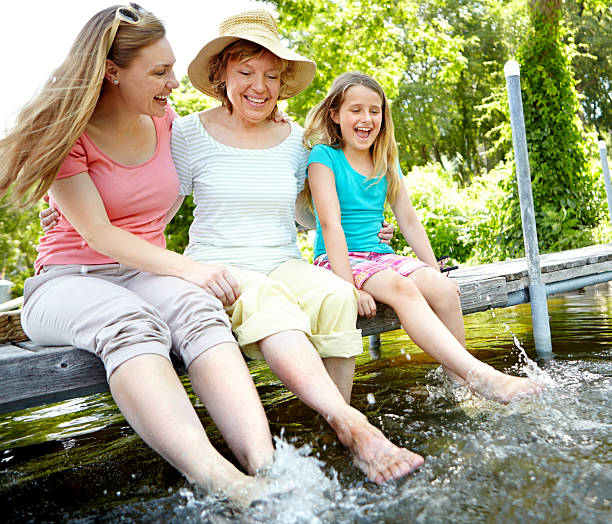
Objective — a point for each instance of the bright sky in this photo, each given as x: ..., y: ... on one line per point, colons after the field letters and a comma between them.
x: 37, y: 35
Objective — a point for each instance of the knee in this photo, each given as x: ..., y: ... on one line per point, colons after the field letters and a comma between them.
x: 441, y: 291
x: 342, y: 296
x: 130, y: 327
x: 403, y: 287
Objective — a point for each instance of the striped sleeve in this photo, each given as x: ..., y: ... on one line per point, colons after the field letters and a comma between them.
x: 300, y: 175
x: 181, y: 157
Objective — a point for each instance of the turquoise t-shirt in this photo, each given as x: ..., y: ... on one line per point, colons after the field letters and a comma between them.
x: 362, y: 202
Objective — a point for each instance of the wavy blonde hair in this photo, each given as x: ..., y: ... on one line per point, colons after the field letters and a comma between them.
x: 321, y: 129
x: 50, y: 124
x: 243, y: 50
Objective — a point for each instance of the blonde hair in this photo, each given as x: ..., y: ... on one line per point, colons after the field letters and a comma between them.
x: 241, y: 51
x: 50, y: 124
x: 321, y: 129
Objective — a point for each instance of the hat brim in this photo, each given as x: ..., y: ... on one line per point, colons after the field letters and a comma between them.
x: 198, y: 68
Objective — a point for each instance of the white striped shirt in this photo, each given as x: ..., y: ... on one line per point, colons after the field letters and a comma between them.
x: 245, y: 198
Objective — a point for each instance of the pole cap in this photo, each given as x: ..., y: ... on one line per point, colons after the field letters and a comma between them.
x: 602, y: 145
x: 512, y: 68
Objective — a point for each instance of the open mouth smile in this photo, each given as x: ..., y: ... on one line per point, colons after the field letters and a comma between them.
x: 363, y: 132
x: 255, y: 100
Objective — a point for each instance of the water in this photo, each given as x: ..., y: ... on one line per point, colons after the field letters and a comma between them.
x: 546, y: 459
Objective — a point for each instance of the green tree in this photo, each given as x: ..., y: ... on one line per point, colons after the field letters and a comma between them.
x: 438, y: 61
x: 590, y: 23
x: 565, y: 189
x: 20, y: 231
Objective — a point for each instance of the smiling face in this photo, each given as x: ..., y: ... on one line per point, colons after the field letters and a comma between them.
x: 146, y: 83
x: 359, y: 117
x: 253, y: 87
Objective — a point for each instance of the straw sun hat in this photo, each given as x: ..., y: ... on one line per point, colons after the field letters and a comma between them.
x: 259, y: 27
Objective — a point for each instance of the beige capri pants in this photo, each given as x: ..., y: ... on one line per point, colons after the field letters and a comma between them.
x: 119, y: 313
x: 296, y: 296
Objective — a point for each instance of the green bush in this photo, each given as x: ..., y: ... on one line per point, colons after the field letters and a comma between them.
x: 437, y: 200
x: 20, y: 231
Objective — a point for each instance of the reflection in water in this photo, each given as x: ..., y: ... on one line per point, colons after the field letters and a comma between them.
x: 540, y: 460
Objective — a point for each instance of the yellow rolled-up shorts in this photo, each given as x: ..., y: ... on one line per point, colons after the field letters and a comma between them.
x: 296, y: 296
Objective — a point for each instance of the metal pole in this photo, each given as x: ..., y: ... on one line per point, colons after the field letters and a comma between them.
x: 606, y: 174
x: 537, y: 290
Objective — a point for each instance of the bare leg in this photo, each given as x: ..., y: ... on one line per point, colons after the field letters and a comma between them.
x: 153, y: 400
x: 431, y: 335
x: 341, y: 370
x: 441, y: 294
x: 221, y: 379
x: 295, y: 361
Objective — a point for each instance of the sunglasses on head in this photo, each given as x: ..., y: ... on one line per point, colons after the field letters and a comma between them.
x: 130, y: 14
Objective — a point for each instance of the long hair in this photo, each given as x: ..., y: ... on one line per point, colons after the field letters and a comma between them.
x: 321, y: 129
x: 243, y: 50
x: 50, y: 124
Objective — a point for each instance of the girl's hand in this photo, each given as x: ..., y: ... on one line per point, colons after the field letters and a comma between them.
x: 48, y: 219
x: 386, y: 232
x: 366, y: 305
x: 281, y: 116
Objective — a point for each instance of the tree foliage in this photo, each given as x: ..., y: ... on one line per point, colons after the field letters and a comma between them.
x: 19, y: 234
x: 564, y: 187
x: 590, y: 22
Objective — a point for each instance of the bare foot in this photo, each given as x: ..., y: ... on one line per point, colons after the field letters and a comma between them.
x: 240, y: 490
x: 489, y: 383
x: 372, y: 453
x: 453, y: 376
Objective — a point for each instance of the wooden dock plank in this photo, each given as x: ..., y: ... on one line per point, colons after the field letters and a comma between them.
x: 32, y: 375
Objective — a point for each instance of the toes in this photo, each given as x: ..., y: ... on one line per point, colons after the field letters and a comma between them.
x: 400, y: 467
x: 417, y: 461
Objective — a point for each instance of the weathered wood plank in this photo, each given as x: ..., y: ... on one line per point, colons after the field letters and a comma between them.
x: 32, y: 375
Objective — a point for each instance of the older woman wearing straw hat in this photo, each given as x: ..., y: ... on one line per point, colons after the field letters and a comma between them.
x: 245, y: 171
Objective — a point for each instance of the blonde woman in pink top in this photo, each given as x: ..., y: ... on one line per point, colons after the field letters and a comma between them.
x: 97, y: 138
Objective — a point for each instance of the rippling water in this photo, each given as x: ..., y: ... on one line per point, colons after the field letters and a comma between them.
x: 546, y: 459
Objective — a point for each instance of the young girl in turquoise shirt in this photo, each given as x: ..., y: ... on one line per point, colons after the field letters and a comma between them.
x: 352, y: 170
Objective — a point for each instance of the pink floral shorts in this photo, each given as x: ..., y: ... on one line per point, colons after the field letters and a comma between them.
x: 367, y: 263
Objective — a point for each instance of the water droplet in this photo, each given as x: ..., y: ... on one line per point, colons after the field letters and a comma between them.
x: 403, y: 351
x: 407, y: 356
x: 371, y: 399
x: 493, y: 313
x: 84, y: 270
x: 105, y: 492
x: 118, y: 493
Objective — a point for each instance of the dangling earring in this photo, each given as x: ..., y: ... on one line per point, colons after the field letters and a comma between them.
x: 115, y: 82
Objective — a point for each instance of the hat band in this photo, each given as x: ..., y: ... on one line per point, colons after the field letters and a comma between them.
x: 253, y: 31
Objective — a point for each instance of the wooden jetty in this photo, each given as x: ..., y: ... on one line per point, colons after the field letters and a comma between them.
x: 32, y: 375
